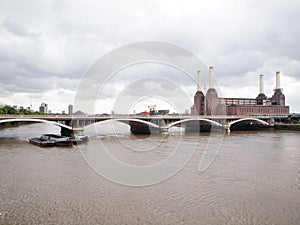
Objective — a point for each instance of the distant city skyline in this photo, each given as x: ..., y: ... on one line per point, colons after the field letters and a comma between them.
x: 139, y: 107
x: 46, y: 47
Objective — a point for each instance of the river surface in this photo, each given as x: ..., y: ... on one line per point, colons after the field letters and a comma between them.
x: 254, y: 179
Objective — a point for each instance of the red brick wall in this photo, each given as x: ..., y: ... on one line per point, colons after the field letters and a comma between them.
x: 257, y: 109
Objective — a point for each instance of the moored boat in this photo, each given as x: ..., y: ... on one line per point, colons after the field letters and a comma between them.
x: 47, y: 140
x: 59, y: 140
x: 42, y: 143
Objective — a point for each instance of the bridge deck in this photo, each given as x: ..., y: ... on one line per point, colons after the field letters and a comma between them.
x: 99, y: 118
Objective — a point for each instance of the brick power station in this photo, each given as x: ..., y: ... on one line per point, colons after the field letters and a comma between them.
x: 211, y: 104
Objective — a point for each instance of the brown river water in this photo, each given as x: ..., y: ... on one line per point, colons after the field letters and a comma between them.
x: 254, y: 179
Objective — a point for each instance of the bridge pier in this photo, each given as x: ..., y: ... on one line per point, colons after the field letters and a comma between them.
x: 164, y: 130
x: 227, y: 128
x: 271, y: 121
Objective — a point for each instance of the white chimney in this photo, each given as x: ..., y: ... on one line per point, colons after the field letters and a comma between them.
x: 211, y: 77
x: 198, y: 80
x: 278, y: 80
x: 261, y: 84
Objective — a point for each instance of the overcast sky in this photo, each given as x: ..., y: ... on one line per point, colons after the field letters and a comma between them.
x: 47, y: 46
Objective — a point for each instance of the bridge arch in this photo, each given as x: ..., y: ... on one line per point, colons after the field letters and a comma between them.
x: 137, y: 126
x: 250, y: 119
x: 195, y: 119
x: 36, y: 121
x: 127, y: 120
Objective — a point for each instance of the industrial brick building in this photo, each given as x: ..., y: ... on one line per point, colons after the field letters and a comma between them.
x: 211, y: 104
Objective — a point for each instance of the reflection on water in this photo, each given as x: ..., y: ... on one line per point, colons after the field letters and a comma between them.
x: 255, y: 179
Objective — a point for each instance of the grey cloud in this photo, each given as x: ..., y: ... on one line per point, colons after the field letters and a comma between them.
x: 152, y: 88
x: 37, y: 85
x: 61, y: 39
x: 16, y: 28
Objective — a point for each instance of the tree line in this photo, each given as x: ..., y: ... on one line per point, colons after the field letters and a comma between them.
x: 12, y: 111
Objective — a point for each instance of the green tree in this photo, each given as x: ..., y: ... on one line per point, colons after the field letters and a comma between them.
x: 12, y: 111
x: 8, y: 110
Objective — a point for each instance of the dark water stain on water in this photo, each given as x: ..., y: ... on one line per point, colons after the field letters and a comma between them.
x: 255, y: 179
